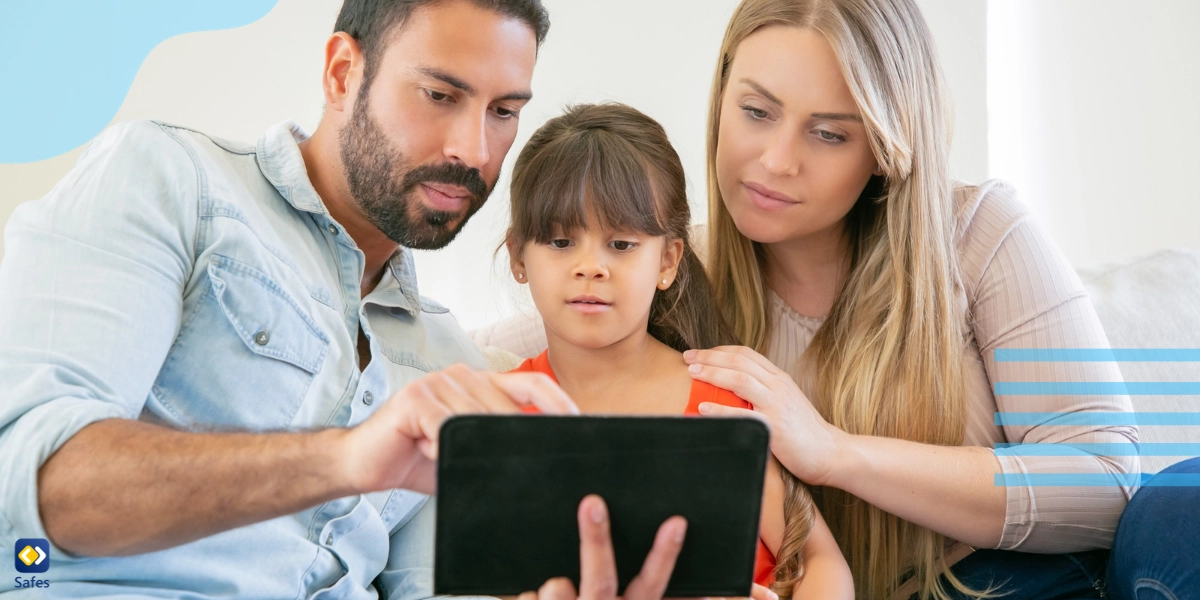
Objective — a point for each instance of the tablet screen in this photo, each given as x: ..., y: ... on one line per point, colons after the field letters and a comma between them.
x: 509, y: 488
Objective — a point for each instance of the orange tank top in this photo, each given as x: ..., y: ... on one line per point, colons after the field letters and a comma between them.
x: 764, y: 561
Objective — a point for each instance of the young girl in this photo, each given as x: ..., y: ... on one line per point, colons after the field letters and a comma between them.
x: 599, y: 232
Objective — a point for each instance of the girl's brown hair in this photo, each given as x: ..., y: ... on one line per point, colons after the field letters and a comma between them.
x: 615, y: 164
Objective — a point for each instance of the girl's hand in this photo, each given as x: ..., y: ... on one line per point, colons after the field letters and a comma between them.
x: 801, y: 440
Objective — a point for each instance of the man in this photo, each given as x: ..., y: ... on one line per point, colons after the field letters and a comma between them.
x: 197, y: 337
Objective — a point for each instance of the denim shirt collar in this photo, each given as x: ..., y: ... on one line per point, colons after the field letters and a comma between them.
x: 281, y: 162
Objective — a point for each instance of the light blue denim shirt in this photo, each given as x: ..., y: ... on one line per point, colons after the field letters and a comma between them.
x: 185, y: 280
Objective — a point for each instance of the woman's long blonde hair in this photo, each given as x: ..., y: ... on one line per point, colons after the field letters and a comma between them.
x: 888, y: 359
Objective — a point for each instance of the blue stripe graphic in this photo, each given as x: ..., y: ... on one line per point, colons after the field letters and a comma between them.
x: 1097, y: 355
x: 1100, y: 449
x: 1097, y: 418
x: 1097, y: 388
x: 1098, y: 479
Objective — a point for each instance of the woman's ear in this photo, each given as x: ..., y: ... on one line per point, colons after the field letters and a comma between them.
x: 672, y: 254
x: 515, y: 262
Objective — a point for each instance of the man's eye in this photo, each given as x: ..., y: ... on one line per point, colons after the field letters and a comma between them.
x: 560, y: 243
x: 505, y: 113
x: 437, y: 96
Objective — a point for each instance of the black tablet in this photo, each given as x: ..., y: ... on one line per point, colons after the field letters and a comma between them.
x: 509, y: 489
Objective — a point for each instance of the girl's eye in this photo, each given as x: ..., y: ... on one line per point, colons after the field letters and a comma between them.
x: 830, y: 136
x: 755, y: 113
x: 560, y: 244
x: 623, y: 246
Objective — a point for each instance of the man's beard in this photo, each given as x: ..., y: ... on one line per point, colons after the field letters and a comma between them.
x: 385, y: 186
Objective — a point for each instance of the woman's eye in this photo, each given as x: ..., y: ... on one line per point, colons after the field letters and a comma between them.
x: 560, y: 243
x: 755, y: 113
x: 830, y: 136
x: 623, y: 246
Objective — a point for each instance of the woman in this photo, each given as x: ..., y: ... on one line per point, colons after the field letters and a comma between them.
x: 842, y: 251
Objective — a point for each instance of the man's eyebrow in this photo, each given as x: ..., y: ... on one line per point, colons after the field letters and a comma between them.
x: 457, y: 83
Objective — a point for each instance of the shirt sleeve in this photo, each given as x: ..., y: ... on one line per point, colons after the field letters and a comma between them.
x: 91, y: 290
x: 1029, y: 297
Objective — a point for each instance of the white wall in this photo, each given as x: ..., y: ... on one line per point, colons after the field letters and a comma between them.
x: 1094, y: 109
x: 658, y: 55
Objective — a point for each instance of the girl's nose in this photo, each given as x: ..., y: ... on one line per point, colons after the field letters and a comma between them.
x: 590, y: 267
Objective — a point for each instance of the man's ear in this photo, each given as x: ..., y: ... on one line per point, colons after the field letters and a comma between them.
x: 516, y: 262
x: 342, y: 77
x: 672, y: 254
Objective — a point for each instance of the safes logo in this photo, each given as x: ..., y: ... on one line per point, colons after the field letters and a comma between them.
x: 32, y: 555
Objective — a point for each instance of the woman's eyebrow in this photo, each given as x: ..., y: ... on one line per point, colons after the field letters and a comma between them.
x: 832, y: 116
x: 761, y: 90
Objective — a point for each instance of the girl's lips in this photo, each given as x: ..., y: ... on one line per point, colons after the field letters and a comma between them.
x: 589, y: 306
x: 766, y: 200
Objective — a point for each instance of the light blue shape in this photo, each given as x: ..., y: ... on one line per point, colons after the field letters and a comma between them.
x: 1100, y: 449
x: 1097, y: 355
x: 1098, y: 479
x: 1097, y: 418
x: 1097, y: 388
x: 66, y: 65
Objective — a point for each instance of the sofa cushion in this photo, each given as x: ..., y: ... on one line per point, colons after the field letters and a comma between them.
x: 1153, y: 302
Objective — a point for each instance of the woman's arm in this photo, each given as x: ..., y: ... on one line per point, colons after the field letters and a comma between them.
x: 948, y: 489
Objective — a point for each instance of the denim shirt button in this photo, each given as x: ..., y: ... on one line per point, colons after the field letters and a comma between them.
x: 261, y: 338
x: 329, y: 540
x: 368, y: 398
x: 333, y: 230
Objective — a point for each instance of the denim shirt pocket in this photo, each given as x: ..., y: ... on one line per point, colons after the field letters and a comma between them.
x: 244, y: 357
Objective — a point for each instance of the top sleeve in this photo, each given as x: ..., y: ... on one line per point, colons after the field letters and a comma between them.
x: 90, y: 300
x: 1026, y: 295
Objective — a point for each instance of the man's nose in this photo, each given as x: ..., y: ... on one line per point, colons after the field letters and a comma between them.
x: 467, y: 140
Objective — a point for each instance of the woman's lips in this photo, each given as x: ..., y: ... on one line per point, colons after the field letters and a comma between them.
x: 767, y: 199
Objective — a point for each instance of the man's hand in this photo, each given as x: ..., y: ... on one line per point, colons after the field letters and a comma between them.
x: 598, y: 567
x: 397, y: 446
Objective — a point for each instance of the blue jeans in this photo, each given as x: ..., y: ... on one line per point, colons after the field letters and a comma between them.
x: 1156, y: 554
x: 1026, y: 576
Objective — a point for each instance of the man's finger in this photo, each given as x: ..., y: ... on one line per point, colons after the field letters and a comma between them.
x: 559, y: 588
x: 597, y: 566
x: 651, y: 582
x: 535, y: 389
x: 477, y: 385
x: 758, y: 592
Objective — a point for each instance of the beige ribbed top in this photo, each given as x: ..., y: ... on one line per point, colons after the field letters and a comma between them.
x: 1021, y: 293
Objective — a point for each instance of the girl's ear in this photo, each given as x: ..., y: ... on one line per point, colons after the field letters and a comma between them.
x: 515, y: 262
x: 672, y: 254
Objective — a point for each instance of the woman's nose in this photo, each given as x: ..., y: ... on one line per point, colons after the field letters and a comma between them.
x: 781, y: 157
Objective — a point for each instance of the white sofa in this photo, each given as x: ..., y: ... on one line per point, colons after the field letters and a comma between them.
x: 1153, y: 302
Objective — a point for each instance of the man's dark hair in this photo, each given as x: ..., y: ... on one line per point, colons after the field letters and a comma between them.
x: 370, y: 22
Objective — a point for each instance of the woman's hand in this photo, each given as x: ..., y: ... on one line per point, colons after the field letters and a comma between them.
x: 801, y: 440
